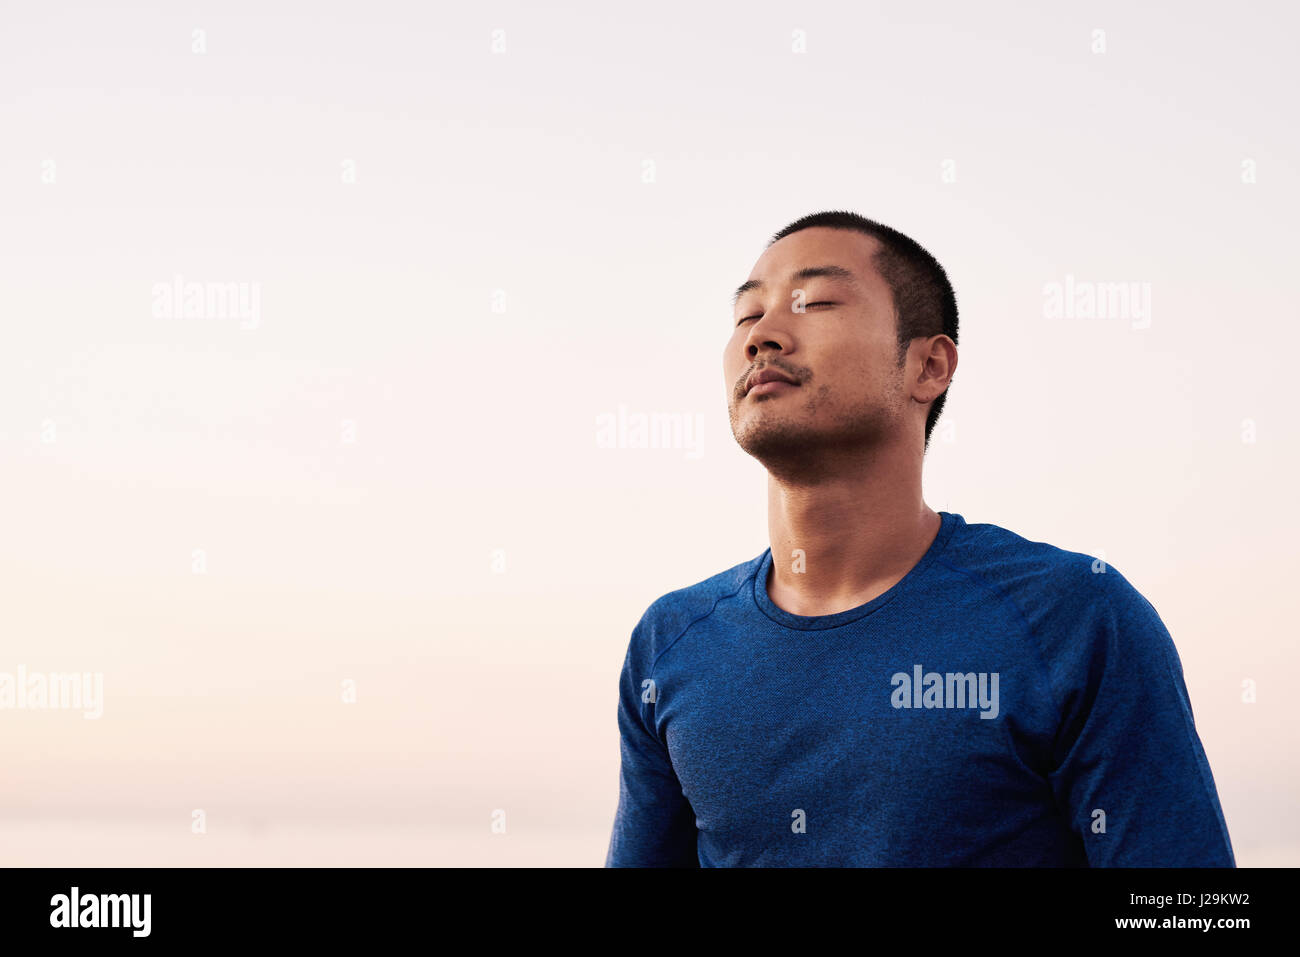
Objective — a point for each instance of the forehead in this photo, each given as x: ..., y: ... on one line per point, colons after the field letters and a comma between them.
x: 817, y: 247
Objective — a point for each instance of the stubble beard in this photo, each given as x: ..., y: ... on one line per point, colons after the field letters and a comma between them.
x: 794, y: 447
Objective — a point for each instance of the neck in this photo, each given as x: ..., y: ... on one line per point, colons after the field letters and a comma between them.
x: 860, y: 523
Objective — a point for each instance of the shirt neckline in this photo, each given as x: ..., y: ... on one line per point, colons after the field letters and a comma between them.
x: 950, y: 522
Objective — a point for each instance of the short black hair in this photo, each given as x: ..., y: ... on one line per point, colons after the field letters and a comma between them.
x: 924, y: 302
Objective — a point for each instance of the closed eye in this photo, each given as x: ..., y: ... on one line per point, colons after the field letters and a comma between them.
x: 822, y: 303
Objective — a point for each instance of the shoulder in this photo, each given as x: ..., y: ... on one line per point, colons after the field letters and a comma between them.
x: 1065, y: 598
x: 672, y: 614
x: 1035, y: 573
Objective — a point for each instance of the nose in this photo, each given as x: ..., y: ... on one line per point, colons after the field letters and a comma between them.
x: 766, y: 335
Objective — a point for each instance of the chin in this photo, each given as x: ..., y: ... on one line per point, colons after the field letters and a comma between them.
x: 767, y: 437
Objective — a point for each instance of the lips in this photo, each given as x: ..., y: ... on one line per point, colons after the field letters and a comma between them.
x: 767, y: 375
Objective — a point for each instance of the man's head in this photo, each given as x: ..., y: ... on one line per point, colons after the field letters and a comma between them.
x: 862, y: 319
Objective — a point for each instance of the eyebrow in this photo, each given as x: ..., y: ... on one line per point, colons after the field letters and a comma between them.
x: 808, y: 272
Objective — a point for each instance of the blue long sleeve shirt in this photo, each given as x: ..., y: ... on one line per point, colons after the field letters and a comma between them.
x: 1007, y: 703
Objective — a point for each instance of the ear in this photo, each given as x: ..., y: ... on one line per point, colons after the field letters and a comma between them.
x: 937, y: 360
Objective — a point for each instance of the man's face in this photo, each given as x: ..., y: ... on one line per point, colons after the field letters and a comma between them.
x: 834, y: 335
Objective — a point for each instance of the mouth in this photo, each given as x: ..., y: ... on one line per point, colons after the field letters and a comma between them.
x: 769, y: 381
x: 774, y: 387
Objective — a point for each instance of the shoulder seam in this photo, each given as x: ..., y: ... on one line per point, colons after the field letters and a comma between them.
x: 1034, y: 643
x: 711, y: 610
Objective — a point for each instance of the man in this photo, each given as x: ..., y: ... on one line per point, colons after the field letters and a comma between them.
x: 887, y: 685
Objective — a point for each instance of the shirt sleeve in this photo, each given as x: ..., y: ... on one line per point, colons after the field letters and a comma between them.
x: 1132, y: 777
x: 654, y: 825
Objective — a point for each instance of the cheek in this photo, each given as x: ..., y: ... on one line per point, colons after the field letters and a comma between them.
x: 850, y: 378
